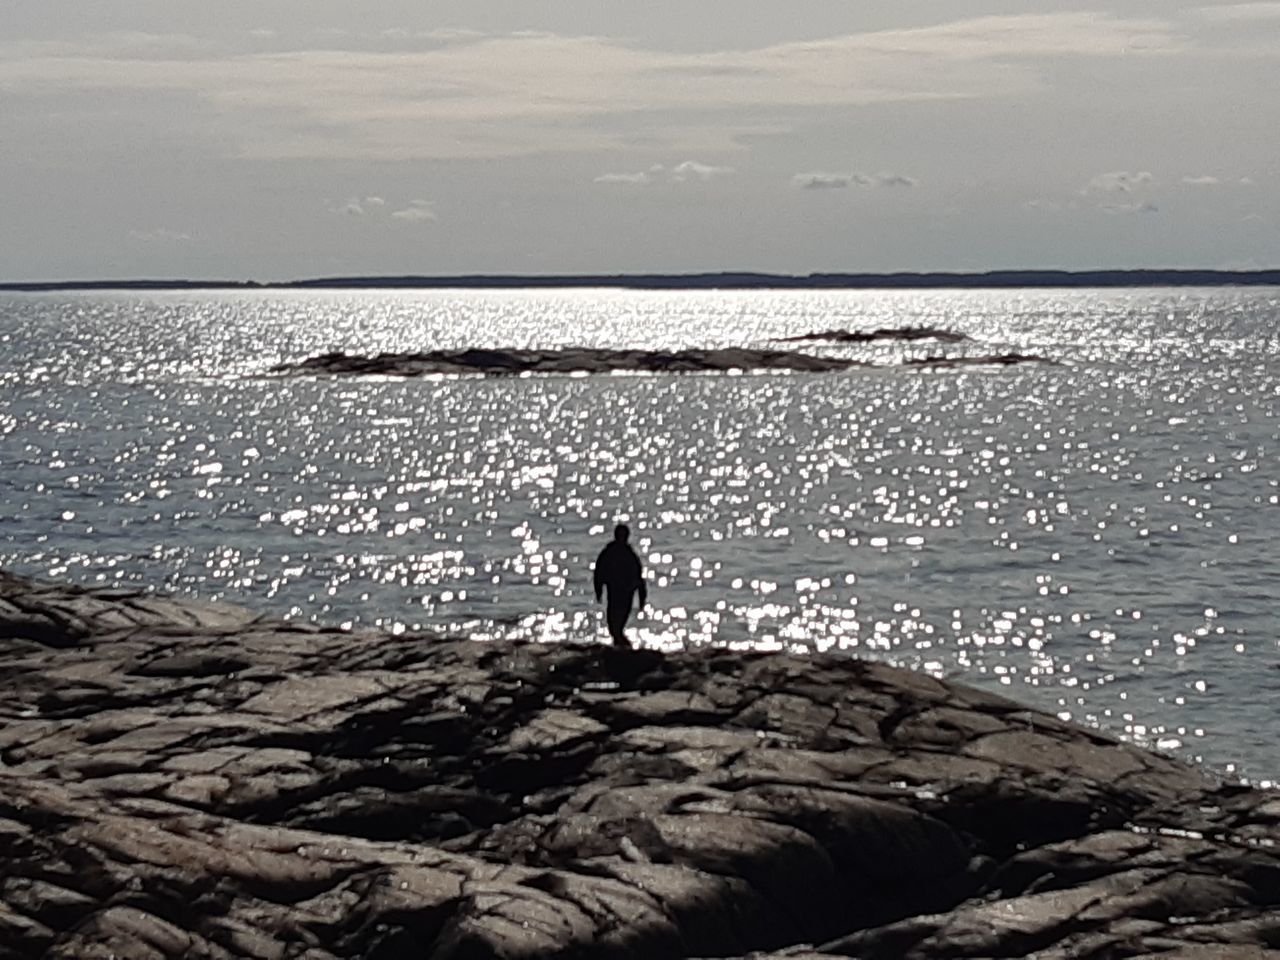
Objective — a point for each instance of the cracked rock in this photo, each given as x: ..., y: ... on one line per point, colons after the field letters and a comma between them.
x: 181, y: 779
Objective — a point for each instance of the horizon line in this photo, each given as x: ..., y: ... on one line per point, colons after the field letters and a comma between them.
x: 728, y: 279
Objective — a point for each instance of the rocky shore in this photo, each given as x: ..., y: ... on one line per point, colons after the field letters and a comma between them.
x: 189, y: 780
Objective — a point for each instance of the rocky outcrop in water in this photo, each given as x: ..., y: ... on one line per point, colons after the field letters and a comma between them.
x: 996, y: 360
x: 590, y: 360
x: 567, y: 360
x: 182, y: 780
x: 904, y: 334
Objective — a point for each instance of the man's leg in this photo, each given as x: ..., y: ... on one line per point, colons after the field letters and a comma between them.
x: 616, y: 616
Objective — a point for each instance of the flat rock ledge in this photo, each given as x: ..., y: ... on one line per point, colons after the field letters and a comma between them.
x: 184, y: 780
x: 591, y: 360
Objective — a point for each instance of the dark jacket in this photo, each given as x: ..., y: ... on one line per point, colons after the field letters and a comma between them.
x: 618, y: 568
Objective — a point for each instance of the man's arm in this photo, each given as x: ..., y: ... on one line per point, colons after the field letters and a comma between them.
x: 598, y: 576
x: 641, y: 589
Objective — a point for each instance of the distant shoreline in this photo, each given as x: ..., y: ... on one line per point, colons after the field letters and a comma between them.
x: 991, y: 280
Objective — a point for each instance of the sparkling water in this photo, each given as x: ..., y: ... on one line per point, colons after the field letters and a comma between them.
x: 1095, y: 537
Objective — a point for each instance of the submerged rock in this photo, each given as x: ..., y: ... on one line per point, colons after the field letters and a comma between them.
x: 184, y: 780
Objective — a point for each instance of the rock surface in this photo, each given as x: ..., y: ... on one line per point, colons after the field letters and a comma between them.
x: 183, y: 780
x: 589, y: 360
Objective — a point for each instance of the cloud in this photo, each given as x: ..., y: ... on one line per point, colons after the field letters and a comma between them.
x: 1121, y: 185
x: 375, y: 207
x: 1144, y: 206
x: 438, y: 35
x: 682, y: 172
x: 1121, y: 181
x: 1241, y: 11
x: 1053, y: 205
x: 821, y: 181
x: 525, y: 93
x: 356, y: 206
x: 418, y: 211
x: 451, y: 34
x: 1208, y: 180
x: 701, y: 171
x: 839, y: 181
x: 622, y: 178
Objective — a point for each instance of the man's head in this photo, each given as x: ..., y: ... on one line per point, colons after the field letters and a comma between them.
x: 621, y: 532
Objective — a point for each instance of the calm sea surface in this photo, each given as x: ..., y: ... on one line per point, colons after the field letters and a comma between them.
x: 1098, y: 538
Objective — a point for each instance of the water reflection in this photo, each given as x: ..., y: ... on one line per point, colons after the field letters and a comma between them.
x: 1093, y: 537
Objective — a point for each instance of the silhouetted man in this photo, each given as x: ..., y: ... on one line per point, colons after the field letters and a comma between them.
x: 618, y: 568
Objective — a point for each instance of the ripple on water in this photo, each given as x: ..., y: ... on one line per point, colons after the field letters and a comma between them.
x: 1094, y: 537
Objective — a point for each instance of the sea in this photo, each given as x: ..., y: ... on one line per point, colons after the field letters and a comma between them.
x: 1095, y: 536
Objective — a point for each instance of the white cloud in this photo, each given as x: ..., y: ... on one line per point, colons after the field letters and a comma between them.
x: 451, y: 33
x: 622, y: 178
x: 702, y: 171
x: 1241, y: 11
x: 1120, y: 181
x: 837, y: 181
x: 682, y: 172
x: 1207, y: 180
x: 418, y: 211
x: 375, y: 207
x: 526, y: 93
x: 352, y: 207
x: 1121, y: 191
x: 437, y: 35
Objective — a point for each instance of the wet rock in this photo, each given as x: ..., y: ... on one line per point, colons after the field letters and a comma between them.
x: 185, y: 780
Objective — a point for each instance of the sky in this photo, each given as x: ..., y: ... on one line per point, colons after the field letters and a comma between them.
x: 279, y: 139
